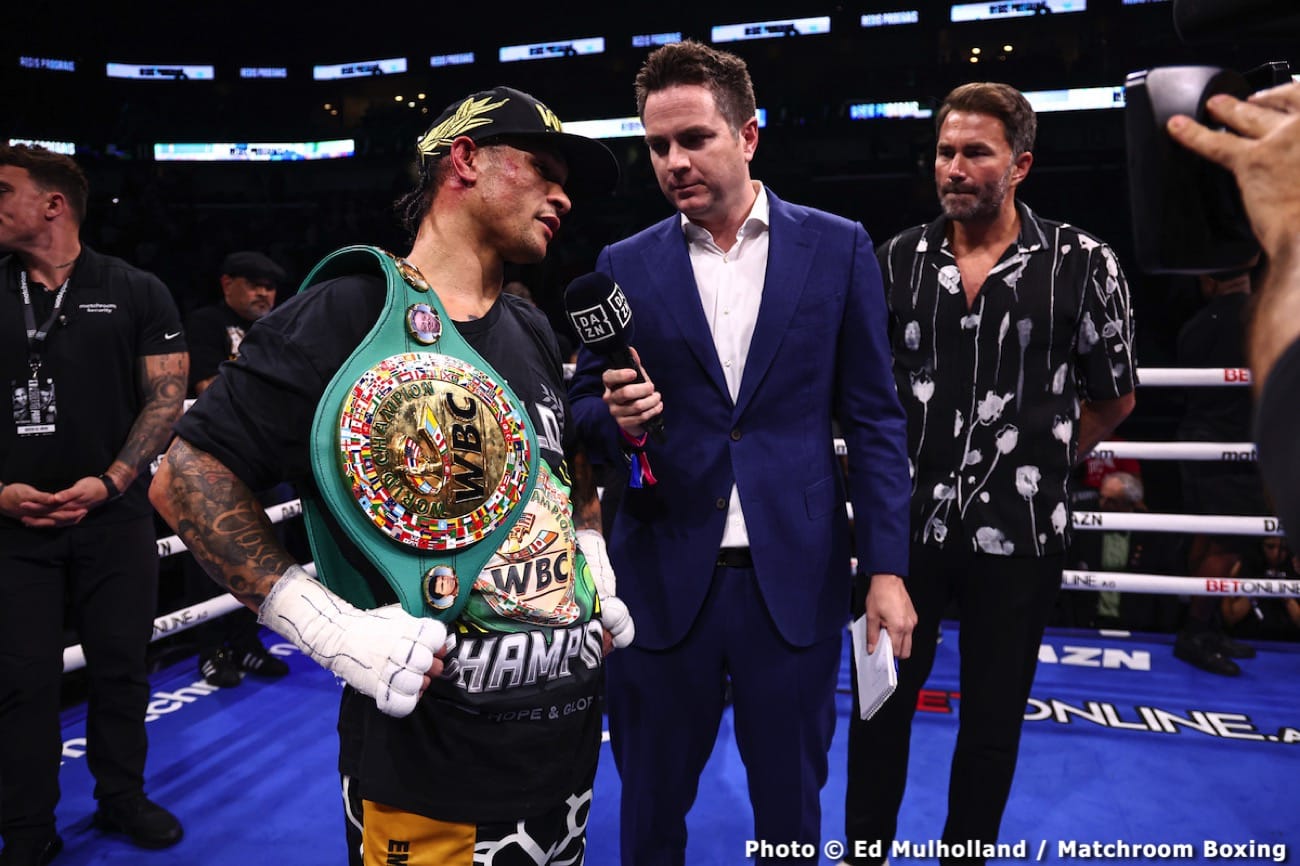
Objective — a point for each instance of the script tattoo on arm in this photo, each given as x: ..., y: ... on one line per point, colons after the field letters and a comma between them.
x: 162, y: 385
x: 220, y: 521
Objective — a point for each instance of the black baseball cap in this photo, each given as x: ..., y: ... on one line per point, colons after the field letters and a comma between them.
x: 253, y: 266
x: 507, y: 112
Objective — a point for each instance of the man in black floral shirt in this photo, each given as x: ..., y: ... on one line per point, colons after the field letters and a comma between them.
x: 1013, y: 356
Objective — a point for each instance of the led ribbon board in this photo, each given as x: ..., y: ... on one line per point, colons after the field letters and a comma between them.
x: 1014, y: 9
x: 250, y: 152
x: 161, y: 71
x: 543, y: 50
x: 772, y: 29
x: 359, y: 69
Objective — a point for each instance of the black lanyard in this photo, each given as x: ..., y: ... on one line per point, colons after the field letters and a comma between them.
x: 36, y: 336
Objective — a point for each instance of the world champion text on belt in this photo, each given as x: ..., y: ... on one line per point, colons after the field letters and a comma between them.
x: 433, y: 451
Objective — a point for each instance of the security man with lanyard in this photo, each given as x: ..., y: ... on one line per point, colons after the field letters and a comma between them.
x: 94, y: 363
x: 421, y: 413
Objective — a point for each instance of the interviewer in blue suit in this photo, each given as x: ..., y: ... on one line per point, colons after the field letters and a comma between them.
x: 756, y: 322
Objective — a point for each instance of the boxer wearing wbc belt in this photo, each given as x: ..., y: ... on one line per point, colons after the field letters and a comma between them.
x: 420, y: 411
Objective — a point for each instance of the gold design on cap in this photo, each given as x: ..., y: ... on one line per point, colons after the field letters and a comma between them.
x: 468, y: 116
x: 549, y: 118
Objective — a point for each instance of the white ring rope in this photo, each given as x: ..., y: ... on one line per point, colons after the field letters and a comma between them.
x: 1169, y: 584
x: 1224, y: 452
x: 74, y: 657
x: 1199, y: 524
x: 1171, y: 377
x: 188, y: 617
x: 1164, y: 584
x: 1159, y: 377
x: 1193, y: 377
x: 1196, y: 524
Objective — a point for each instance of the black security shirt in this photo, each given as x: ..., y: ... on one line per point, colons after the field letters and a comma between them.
x: 992, y: 390
x: 114, y: 314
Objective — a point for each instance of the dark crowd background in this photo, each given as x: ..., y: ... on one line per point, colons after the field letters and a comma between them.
x: 179, y: 219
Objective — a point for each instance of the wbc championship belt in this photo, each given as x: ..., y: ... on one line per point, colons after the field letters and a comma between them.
x: 423, y: 455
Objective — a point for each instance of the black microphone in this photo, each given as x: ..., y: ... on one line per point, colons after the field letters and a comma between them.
x: 599, y: 313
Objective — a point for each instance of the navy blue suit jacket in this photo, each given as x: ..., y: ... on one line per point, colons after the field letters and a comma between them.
x: 820, y: 346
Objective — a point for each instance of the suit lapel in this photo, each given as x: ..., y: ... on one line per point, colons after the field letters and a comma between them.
x: 669, y: 266
x: 789, y: 256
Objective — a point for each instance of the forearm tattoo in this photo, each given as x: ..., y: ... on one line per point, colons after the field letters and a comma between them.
x: 586, y: 505
x: 221, y: 522
x: 162, y: 380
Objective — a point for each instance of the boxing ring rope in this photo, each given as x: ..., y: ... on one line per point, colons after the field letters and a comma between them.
x: 1193, y: 377
x: 1165, y: 584
x: 1227, y: 452
x: 74, y: 657
x: 1160, y: 377
x: 1193, y: 524
x: 1176, y: 377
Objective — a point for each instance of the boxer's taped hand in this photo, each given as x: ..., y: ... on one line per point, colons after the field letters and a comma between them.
x: 384, y: 653
x: 614, y: 615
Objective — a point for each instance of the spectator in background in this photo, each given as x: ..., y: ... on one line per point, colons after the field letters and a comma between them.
x: 249, y: 284
x: 1085, y: 485
x: 520, y: 289
x: 1267, y: 618
x: 1216, y: 337
x: 1138, y: 552
x: 97, y: 347
x: 250, y: 281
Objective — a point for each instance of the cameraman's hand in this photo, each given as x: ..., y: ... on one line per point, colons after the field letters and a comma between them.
x: 1264, y: 156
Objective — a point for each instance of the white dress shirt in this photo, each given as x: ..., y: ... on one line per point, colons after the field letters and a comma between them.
x: 731, y: 290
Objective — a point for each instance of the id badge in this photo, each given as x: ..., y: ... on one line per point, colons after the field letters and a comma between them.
x: 34, y: 406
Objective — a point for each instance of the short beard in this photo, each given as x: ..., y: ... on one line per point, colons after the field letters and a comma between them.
x: 987, y: 204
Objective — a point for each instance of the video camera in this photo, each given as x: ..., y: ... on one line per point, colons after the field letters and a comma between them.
x: 1187, y: 212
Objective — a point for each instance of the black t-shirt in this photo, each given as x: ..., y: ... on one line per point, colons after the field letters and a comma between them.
x: 514, y: 725
x: 1279, y: 445
x: 214, y: 334
x: 112, y: 316
x: 1216, y: 337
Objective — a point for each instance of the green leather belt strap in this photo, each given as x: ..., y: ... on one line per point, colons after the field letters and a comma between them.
x: 403, y: 563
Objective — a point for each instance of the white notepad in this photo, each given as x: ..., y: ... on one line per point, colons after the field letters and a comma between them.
x: 877, y: 672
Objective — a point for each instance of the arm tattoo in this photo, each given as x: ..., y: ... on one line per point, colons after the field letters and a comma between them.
x: 162, y: 379
x: 220, y: 521
x: 586, y: 505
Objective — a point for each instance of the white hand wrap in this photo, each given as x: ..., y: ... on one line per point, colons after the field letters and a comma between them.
x: 383, y: 653
x: 614, y: 615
